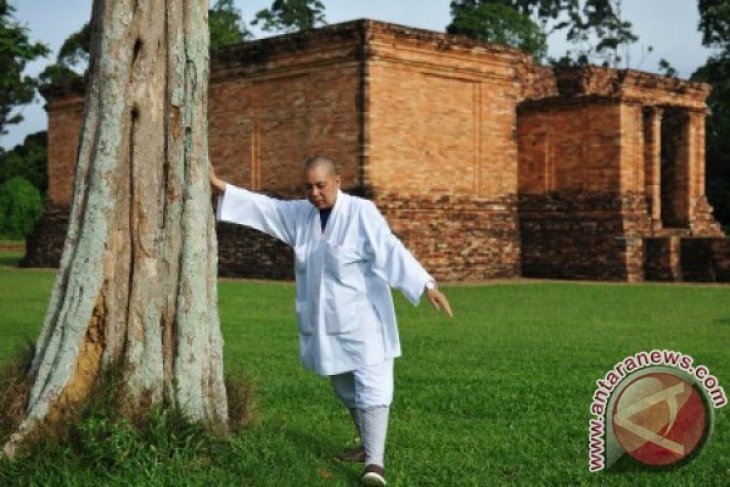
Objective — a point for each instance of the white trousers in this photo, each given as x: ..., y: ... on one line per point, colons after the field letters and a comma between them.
x: 366, y: 387
x: 368, y: 392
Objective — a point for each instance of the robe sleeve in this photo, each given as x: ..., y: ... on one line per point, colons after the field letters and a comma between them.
x: 269, y: 215
x: 392, y: 261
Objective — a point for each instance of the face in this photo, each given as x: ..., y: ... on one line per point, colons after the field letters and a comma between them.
x: 320, y: 187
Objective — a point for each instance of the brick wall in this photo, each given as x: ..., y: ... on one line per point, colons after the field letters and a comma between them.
x: 64, y: 125
x: 245, y: 252
x: 694, y: 259
x: 266, y: 117
x: 661, y: 259
x: 45, y: 245
x: 582, y: 235
x: 441, y: 153
x: 441, y: 118
x: 569, y: 144
x: 457, y: 237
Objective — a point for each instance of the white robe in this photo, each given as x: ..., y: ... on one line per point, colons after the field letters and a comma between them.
x: 343, y: 275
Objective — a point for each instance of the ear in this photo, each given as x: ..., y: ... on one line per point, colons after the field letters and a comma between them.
x: 338, y: 180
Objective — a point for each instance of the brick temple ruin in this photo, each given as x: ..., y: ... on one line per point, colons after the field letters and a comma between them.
x: 485, y: 164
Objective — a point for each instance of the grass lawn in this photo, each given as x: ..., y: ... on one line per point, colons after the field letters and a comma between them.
x: 498, y: 396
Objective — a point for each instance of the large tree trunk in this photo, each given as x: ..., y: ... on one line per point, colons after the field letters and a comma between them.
x: 137, y: 282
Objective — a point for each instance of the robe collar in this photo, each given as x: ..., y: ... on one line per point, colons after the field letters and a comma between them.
x: 336, y: 210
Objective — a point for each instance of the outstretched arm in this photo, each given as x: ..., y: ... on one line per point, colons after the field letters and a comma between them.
x: 272, y: 216
x: 396, y: 264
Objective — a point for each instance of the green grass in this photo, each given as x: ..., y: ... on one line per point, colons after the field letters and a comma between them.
x: 10, y: 242
x: 498, y: 396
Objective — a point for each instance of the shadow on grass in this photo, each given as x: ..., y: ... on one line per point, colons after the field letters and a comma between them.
x: 10, y: 259
x: 324, y: 450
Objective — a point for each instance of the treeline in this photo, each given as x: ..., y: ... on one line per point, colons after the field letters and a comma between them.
x: 595, y: 30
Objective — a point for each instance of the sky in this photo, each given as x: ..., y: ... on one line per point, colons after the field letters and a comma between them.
x: 669, y: 26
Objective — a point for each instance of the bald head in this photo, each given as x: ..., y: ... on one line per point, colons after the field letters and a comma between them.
x: 316, y: 162
x: 321, y: 181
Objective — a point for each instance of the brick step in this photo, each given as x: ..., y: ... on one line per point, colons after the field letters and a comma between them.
x: 671, y: 232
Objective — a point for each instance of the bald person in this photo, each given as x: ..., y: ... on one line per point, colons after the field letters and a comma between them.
x: 346, y: 261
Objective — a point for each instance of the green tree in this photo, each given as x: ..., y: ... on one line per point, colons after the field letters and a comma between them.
x: 501, y: 24
x: 600, y: 31
x: 716, y: 71
x: 28, y: 160
x: 595, y: 27
x: 291, y: 15
x: 715, y: 27
x: 226, y: 26
x: 72, y: 60
x: 58, y: 74
x: 666, y: 68
x: 74, y: 52
x: 548, y: 14
x: 21, y: 206
x: 715, y: 23
x: 16, y: 51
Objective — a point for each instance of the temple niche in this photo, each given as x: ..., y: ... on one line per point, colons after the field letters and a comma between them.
x: 486, y: 165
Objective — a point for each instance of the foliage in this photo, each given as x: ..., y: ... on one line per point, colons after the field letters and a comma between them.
x: 58, y: 74
x: 542, y: 12
x: 74, y: 52
x: 28, y: 160
x: 105, y: 442
x: 291, y: 15
x: 715, y: 23
x: 16, y: 51
x: 594, y: 26
x: 499, y: 24
x: 225, y: 25
x: 715, y: 27
x: 666, y: 68
x: 21, y: 206
x: 716, y: 72
x: 14, y: 386
x: 600, y: 31
x: 72, y: 60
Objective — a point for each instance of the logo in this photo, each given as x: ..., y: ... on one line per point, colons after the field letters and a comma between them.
x: 654, y: 407
x: 660, y: 419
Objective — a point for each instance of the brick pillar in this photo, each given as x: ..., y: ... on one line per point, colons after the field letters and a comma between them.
x: 675, y: 262
x: 652, y: 163
x: 691, y: 162
x: 702, y: 222
x: 696, y: 142
x: 685, y: 158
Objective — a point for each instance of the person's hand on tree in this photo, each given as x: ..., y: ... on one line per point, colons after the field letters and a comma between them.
x: 439, y: 301
x: 217, y: 185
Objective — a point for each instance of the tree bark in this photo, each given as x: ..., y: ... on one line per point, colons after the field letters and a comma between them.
x: 137, y: 281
